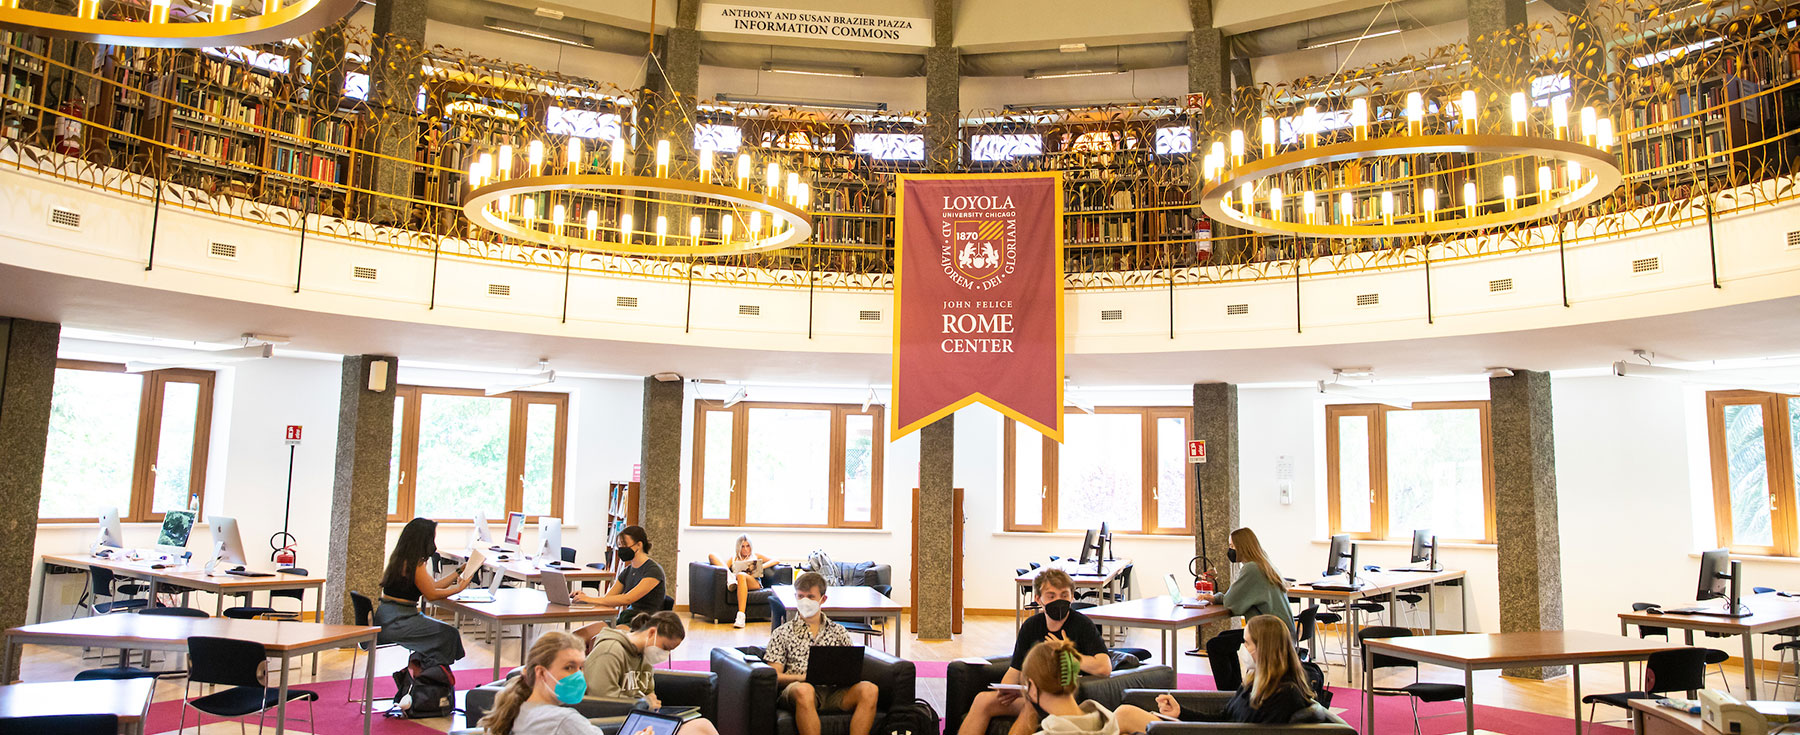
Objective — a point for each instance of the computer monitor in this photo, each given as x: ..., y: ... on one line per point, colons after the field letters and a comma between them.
x: 1353, y: 568
x: 549, y: 539
x: 177, y: 526
x: 1106, y: 542
x: 110, y: 534
x: 1424, y: 548
x: 1337, y: 557
x: 515, y: 528
x: 227, y: 544
x: 482, y: 534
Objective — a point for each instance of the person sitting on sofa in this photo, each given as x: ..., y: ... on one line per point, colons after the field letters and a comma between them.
x: 745, y: 570
x: 1052, y: 675
x: 1058, y: 621
x: 533, y: 703
x: 1276, y: 691
x: 790, y: 649
x: 621, y: 664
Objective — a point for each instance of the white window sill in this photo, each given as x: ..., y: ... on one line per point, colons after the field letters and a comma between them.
x: 1755, y: 558
x: 471, y: 524
x: 1185, y: 538
x: 752, y: 531
x: 1407, y: 544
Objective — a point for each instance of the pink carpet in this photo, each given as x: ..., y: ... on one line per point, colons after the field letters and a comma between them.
x: 1393, y: 714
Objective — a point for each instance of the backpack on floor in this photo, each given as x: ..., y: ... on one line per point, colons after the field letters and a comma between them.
x: 424, y: 691
x: 909, y: 718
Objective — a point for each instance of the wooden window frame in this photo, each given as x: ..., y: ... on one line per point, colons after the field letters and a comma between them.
x: 1051, y: 491
x: 1378, y: 465
x: 740, y: 464
x: 514, y: 494
x: 1778, y: 469
x: 139, y: 504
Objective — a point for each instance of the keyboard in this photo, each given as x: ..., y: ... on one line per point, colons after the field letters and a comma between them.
x: 1335, y: 585
x: 1421, y: 571
x: 1714, y: 611
x: 247, y: 573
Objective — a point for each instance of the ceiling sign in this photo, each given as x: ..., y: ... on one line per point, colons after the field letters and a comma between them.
x: 815, y: 25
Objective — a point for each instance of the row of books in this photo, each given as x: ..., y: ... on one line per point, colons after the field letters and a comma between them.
x: 329, y: 130
x: 230, y: 75
x: 213, y: 145
x: 846, y: 231
x: 1668, y: 150
x: 1682, y: 103
x: 224, y: 105
x: 322, y: 167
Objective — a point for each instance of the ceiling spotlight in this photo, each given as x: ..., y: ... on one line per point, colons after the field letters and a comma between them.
x: 868, y: 400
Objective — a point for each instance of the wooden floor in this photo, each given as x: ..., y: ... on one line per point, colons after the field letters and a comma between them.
x: 982, y: 636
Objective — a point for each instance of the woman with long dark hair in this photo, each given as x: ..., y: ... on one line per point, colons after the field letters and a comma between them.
x: 639, y: 588
x: 408, y: 580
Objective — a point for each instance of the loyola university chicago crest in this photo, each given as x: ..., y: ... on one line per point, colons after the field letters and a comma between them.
x: 979, y: 254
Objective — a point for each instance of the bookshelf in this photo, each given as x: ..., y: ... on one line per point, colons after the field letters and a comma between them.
x: 621, y: 511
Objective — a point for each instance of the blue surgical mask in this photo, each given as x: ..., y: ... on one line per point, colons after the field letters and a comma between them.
x: 570, y: 689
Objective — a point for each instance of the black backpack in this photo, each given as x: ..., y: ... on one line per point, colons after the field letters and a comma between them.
x: 432, y: 690
x: 1315, y: 678
x: 909, y: 718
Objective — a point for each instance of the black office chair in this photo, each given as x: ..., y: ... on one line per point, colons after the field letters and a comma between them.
x: 60, y: 725
x: 1306, y: 624
x: 1415, y: 692
x: 1683, y: 669
x: 1715, y: 658
x: 236, y: 664
x: 362, y: 611
x: 103, y: 583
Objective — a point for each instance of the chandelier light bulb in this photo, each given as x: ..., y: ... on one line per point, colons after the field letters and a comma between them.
x: 1545, y: 182
x: 705, y: 156
x: 1309, y: 204
x: 743, y: 171
x: 1603, y: 134
x: 694, y: 226
x: 486, y: 162
x: 1589, y: 124
x: 558, y: 215
x: 625, y: 228
x: 803, y: 195
x: 793, y: 185
x: 504, y: 206
x: 725, y: 220
x: 1509, y: 190
x: 1470, y: 111
x: 1247, y: 192
x: 530, y: 210
x: 1574, y: 172
x: 159, y: 11
x: 1469, y: 199
x: 1415, y: 113
x: 1559, y: 117
x: 1387, y: 207
x: 1237, y: 147
x: 618, y: 156
x: 755, y: 224
x: 1309, y: 122
x: 270, y: 6
x: 662, y: 158
x: 1359, y: 118
x: 221, y: 10
x: 1218, y: 152
x: 662, y: 228
x: 506, y: 161
x: 1275, y: 202
x: 574, y: 155
x: 771, y: 178
x: 1346, y: 203
x: 475, y: 175
x: 1428, y: 198
x: 87, y: 9
x: 1268, y: 135
x: 593, y: 223
x: 534, y: 156
x: 1521, y: 113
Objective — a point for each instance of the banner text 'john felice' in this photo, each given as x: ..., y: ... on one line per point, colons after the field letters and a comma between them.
x: 977, y: 324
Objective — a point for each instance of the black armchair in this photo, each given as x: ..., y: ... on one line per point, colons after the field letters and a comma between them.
x: 962, y: 681
x: 1314, y: 720
x: 710, y: 598
x: 673, y: 688
x: 747, y: 693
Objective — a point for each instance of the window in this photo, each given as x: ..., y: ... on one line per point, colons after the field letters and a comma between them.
x: 1004, y: 146
x: 787, y: 464
x: 1174, y: 140
x: 132, y: 441
x: 1126, y: 467
x: 890, y: 146
x: 721, y: 138
x: 459, y: 451
x: 581, y: 123
x: 1755, y: 443
x: 1390, y: 471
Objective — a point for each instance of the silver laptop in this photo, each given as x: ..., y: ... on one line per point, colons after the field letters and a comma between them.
x: 1175, y: 594
x: 556, y: 590
x: 482, y: 595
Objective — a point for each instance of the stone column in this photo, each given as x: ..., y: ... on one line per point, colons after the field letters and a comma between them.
x: 672, y: 82
x: 1499, y: 73
x: 1525, y: 522
x: 325, y: 83
x: 27, y: 376
x: 659, y: 493
x: 1209, y: 75
x: 359, y: 488
x: 394, y: 82
x: 1216, y: 502
x: 943, y: 92
x: 933, y: 598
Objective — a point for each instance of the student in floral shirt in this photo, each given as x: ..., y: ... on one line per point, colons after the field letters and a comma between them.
x: 788, y: 651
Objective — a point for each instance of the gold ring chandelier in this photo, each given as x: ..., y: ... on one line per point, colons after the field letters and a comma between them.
x: 1312, y: 188
x: 223, y: 27
x: 585, y: 205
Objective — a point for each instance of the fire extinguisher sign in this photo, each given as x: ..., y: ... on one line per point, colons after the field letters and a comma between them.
x: 1196, y: 451
x: 293, y: 435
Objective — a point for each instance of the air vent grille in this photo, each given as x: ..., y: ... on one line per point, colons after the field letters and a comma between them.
x: 363, y: 272
x: 1111, y: 315
x: 224, y: 250
x: 869, y: 315
x: 749, y: 310
x: 1500, y: 285
x: 1237, y: 309
x: 625, y: 302
x: 500, y: 290
x: 67, y: 219
x: 1643, y: 266
x: 1794, y: 239
x: 1368, y: 299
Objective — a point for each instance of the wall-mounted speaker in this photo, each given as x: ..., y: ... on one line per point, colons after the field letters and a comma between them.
x: 378, y: 376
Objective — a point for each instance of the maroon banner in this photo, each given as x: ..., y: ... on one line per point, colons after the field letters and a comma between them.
x: 978, y: 299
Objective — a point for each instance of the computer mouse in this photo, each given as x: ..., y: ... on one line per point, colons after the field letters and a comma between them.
x: 237, y: 568
x: 159, y: 566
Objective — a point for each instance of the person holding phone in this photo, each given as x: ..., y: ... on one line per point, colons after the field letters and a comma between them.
x: 622, y: 664
x: 1057, y: 621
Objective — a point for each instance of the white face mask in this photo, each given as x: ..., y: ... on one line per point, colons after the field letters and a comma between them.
x: 808, y: 608
x: 655, y: 655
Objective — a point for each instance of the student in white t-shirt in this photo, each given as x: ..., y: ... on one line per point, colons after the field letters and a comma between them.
x: 745, y: 569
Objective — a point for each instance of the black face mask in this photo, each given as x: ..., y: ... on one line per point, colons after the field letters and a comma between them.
x: 626, y: 554
x: 1231, y: 555
x: 1057, y: 610
x: 1032, y: 700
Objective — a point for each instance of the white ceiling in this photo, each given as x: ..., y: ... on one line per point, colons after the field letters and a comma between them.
x: 1764, y: 329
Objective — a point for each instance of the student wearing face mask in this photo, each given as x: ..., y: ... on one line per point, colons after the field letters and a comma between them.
x: 533, y: 703
x: 1258, y: 589
x: 1276, y: 691
x: 789, y: 650
x: 1052, y: 674
x: 1055, y: 593
x: 639, y: 589
x: 622, y: 663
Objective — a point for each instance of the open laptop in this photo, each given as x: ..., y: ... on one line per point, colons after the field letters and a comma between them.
x: 1175, y: 594
x: 644, y: 722
x: 482, y: 595
x: 833, y: 666
x: 556, y: 590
